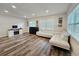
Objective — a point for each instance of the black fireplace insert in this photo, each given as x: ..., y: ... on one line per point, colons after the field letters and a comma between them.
x: 16, y: 32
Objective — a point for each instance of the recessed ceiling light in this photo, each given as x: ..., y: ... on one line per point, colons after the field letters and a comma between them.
x: 33, y: 14
x: 6, y: 11
x: 47, y: 11
x: 24, y: 16
x: 13, y: 6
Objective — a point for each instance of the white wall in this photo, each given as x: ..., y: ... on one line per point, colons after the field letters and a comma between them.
x: 54, y: 19
x: 6, y: 22
x: 71, y: 7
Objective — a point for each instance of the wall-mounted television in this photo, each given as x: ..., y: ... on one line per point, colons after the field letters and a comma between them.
x: 14, y: 26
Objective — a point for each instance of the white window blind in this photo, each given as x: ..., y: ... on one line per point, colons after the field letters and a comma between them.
x: 47, y: 25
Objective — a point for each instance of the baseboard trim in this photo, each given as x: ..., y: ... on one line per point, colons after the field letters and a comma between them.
x: 3, y: 36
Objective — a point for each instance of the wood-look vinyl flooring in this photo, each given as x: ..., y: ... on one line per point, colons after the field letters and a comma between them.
x: 28, y: 45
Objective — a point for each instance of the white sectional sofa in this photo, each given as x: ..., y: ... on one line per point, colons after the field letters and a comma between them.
x: 59, y: 39
x: 47, y: 33
x: 44, y: 34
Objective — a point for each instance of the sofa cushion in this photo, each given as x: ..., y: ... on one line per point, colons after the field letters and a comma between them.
x: 64, y: 36
x: 47, y: 33
x: 44, y: 34
x: 58, y: 41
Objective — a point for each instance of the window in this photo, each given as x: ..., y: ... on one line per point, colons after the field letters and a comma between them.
x: 73, y: 23
x: 32, y: 23
x: 47, y: 25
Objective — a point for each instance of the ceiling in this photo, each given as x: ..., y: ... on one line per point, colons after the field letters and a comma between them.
x: 33, y: 9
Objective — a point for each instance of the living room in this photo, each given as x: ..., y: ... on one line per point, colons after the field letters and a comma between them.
x: 38, y: 29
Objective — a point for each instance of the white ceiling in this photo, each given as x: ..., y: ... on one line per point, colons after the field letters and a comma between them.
x: 27, y: 9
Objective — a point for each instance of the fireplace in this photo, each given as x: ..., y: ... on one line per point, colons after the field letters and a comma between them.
x: 16, y: 32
